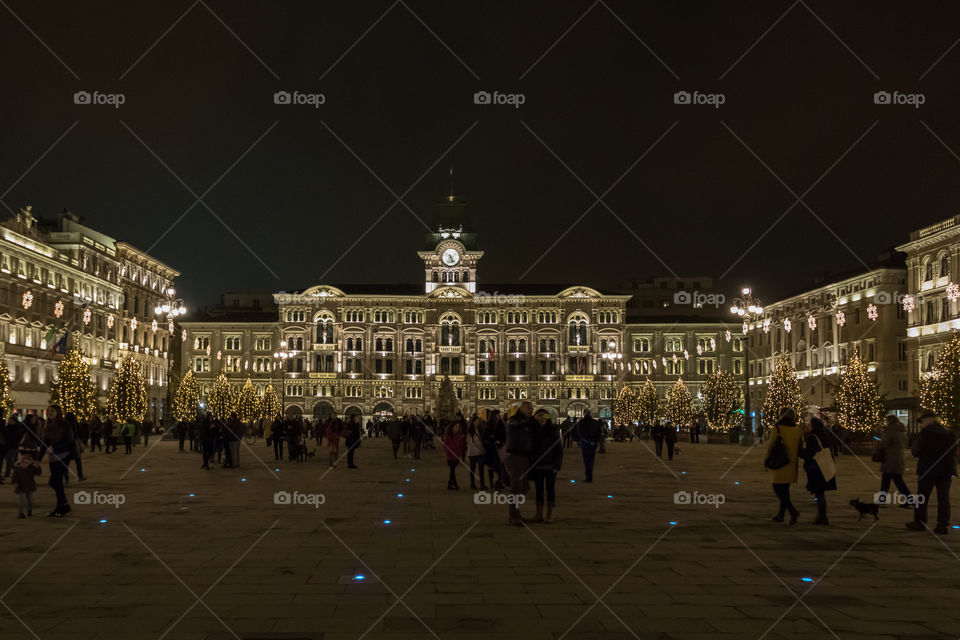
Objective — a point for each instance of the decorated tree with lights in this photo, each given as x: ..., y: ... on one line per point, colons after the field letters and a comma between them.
x: 859, y: 407
x: 187, y: 398
x: 73, y: 390
x: 784, y: 391
x: 128, y: 395
x: 248, y: 405
x: 626, y: 408
x: 221, y: 400
x: 722, y: 400
x: 270, y: 404
x: 6, y: 402
x: 940, y: 390
x: 679, y: 405
x: 648, y: 403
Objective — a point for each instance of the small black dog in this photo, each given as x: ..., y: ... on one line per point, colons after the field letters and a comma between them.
x: 864, y: 508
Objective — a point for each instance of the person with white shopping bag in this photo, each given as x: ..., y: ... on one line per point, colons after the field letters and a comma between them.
x: 819, y: 465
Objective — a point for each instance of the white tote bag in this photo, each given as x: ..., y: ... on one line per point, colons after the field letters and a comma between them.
x: 824, y: 460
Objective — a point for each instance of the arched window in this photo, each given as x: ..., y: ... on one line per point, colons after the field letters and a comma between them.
x: 522, y: 344
x: 378, y: 344
x: 409, y: 345
x: 552, y: 345
x: 450, y: 331
x: 543, y: 343
x: 577, y: 331
x: 435, y: 277
x: 389, y: 344
x: 944, y: 266
x: 927, y: 270
x: 512, y: 346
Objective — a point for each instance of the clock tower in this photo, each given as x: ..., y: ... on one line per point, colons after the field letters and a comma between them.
x: 450, y: 257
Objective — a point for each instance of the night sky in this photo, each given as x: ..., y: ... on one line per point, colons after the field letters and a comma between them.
x: 397, y: 100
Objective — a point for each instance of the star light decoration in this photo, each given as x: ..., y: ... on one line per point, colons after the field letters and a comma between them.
x: 746, y: 327
x: 699, y: 350
x: 86, y: 316
x: 133, y: 324
x: 58, y: 308
x: 872, y: 312
x: 153, y: 325
x: 686, y: 354
x: 766, y: 326
x: 27, y: 299
x: 841, y: 318
x: 170, y: 327
x: 183, y: 335
x: 787, y: 325
x: 953, y: 291
x: 110, y: 321
x: 713, y: 342
x: 909, y: 303
x: 727, y: 336
x: 812, y: 322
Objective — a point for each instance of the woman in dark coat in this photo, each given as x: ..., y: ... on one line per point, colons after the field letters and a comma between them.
x: 58, y: 442
x: 893, y: 444
x: 814, y: 440
x: 494, y: 437
x: 352, y: 438
x: 547, y: 457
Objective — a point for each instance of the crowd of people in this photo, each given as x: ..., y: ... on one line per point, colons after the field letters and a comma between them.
x: 497, y: 454
x: 791, y: 445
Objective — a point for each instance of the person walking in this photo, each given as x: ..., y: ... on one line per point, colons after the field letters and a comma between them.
x: 181, y: 428
x: 494, y: 439
x: 475, y: 452
x: 206, y: 436
x: 520, y: 430
x: 788, y: 434
x: 333, y: 441
x: 935, y: 450
x: 418, y: 432
x: 71, y: 420
x: 890, y: 451
x: 234, y: 434
x: 96, y: 428
x: 547, y: 459
x: 352, y: 437
x: 126, y: 432
x: 395, y: 433
x: 590, y: 435
x: 566, y: 430
x: 670, y: 437
x: 657, y: 433
x: 26, y: 468
x: 110, y: 438
x: 276, y: 437
x: 58, y: 442
x: 821, y: 472
x: 147, y: 428
x: 455, y: 449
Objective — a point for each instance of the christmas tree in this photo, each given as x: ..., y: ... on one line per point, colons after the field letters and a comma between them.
x: 270, y: 404
x: 73, y: 389
x: 940, y: 390
x: 626, y: 408
x: 648, y: 403
x: 248, y: 405
x: 858, y: 403
x: 446, y: 399
x: 187, y: 397
x: 6, y: 402
x: 722, y: 396
x: 679, y: 405
x: 128, y: 395
x: 783, y: 392
x: 221, y: 399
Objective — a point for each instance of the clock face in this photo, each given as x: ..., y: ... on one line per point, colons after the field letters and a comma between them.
x: 450, y: 257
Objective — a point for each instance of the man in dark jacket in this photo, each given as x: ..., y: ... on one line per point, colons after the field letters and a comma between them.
x: 590, y: 435
x: 657, y: 432
x: 520, y: 432
x: 935, y: 449
x: 276, y: 437
x: 670, y: 437
x: 206, y: 435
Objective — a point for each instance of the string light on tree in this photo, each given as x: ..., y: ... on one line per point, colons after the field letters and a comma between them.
x: 270, y: 404
x: 784, y: 391
x: 187, y: 397
x: 626, y: 408
x: 73, y: 389
x: 679, y: 404
x: 221, y: 399
x: 128, y: 395
x: 648, y: 402
x: 872, y: 312
x: 722, y: 400
x: 248, y: 405
x: 859, y: 407
x: 940, y: 390
x: 6, y: 402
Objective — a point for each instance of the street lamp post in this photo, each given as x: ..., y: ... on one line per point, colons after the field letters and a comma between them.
x: 280, y: 358
x: 748, y: 308
x: 171, y: 308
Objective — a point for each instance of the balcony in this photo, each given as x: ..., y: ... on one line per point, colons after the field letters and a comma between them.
x: 578, y: 348
x: 450, y: 348
x: 324, y: 346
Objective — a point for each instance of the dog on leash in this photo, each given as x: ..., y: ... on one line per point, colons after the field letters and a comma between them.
x: 864, y: 508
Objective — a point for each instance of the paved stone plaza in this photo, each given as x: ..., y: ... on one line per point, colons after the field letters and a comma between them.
x: 208, y: 555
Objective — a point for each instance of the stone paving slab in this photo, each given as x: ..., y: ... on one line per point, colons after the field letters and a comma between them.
x: 283, y: 571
